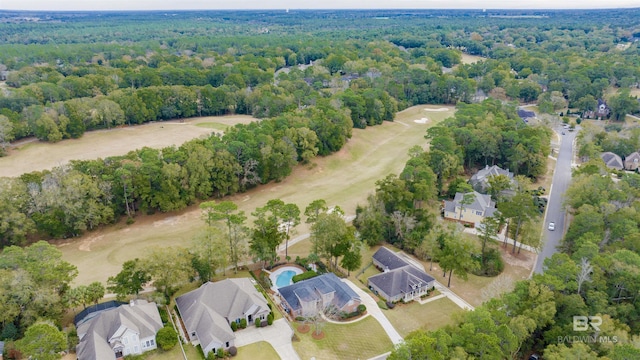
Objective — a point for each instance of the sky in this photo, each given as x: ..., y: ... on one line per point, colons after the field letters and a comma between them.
x: 298, y: 4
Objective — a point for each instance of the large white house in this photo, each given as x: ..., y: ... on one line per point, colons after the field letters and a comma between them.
x: 208, y: 311
x: 120, y: 331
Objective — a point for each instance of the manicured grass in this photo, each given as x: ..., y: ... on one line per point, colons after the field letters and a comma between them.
x: 360, y: 340
x: 475, y: 289
x: 261, y: 350
x: 345, y: 178
x: 371, y: 271
x: 36, y: 155
x: 174, y: 354
x: 213, y: 125
x: 430, y: 316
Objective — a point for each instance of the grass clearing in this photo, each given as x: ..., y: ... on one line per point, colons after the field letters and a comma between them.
x: 173, y: 354
x: 412, y: 316
x: 471, y: 59
x: 261, y: 350
x: 359, y: 340
x: 213, y: 125
x: 344, y: 178
x: 33, y: 155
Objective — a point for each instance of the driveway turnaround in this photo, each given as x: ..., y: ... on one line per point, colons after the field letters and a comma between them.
x: 376, y: 312
x: 278, y: 335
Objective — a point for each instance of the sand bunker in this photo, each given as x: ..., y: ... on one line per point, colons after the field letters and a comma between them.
x: 421, y: 121
x: 85, y: 245
x: 439, y: 109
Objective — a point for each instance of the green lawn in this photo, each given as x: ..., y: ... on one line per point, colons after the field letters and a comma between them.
x: 430, y: 316
x: 261, y: 350
x: 174, y: 354
x: 360, y: 340
x: 213, y: 125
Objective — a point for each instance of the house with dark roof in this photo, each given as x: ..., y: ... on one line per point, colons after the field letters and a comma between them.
x: 612, y: 161
x: 307, y: 297
x: 632, y: 161
x: 525, y: 115
x: 399, y: 280
x: 480, y: 180
x: 208, y: 311
x: 472, y: 214
x: 115, y: 333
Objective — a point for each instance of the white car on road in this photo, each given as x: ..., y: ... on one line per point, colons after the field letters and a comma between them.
x: 552, y: 226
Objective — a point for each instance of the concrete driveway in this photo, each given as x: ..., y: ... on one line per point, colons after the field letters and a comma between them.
x: 278, y: 335
x: 376, y: 312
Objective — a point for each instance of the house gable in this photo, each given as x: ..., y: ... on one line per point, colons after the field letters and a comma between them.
x: 612, y: 160
x: 208, y: 311
x: 118, y: 331
x: 304, y: 297
x: 401, y: 283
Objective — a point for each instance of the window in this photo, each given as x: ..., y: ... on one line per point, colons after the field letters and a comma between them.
x: 148, y: 343
x: 152, y: 342
x: 227, y: 344
x: 125, y: 340
x: 479, y: 213
x: 136, y: 349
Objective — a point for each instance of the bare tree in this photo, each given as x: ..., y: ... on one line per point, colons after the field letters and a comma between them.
x: 584, y: 274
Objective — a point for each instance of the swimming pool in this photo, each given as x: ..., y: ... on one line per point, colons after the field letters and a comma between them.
x: 284, y: 279
x: 282, y: 276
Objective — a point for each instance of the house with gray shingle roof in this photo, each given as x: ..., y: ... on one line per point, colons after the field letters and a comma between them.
x: 612, y: 161
x: 208, y: 311
x: 480, y: 180
x: 307, y: 297
x: 400, y: 280
x: 632, y: 161
x: 118, y: 332
x: 472, y: 214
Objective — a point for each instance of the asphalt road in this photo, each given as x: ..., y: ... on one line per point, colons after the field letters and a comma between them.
x: 555, y: 209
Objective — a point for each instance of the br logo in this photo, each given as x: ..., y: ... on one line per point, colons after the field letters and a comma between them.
x: 581, y: 323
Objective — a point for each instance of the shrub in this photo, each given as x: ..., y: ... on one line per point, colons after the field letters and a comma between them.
x: 243, y: 323
x: 304, y: 276
x: 167, y: 338
x: 382, y: 305
x: 390, y: 305
x: 220, y: 353
x: 302, y: 261
x: 233, y: 351
x: 164, y: 316
x: 300, y: 318
x: 493, y: 264
x: 362, y: 308
x: 234, y: 326
x: 211, y: 355
x: 270, y: 318
x: 258, y: 322
x: 9, y: 332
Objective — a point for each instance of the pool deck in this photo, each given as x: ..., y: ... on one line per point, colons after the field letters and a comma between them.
x: 273, y: 275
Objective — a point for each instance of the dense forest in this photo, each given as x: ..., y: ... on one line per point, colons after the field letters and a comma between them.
x: 310, y: 77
